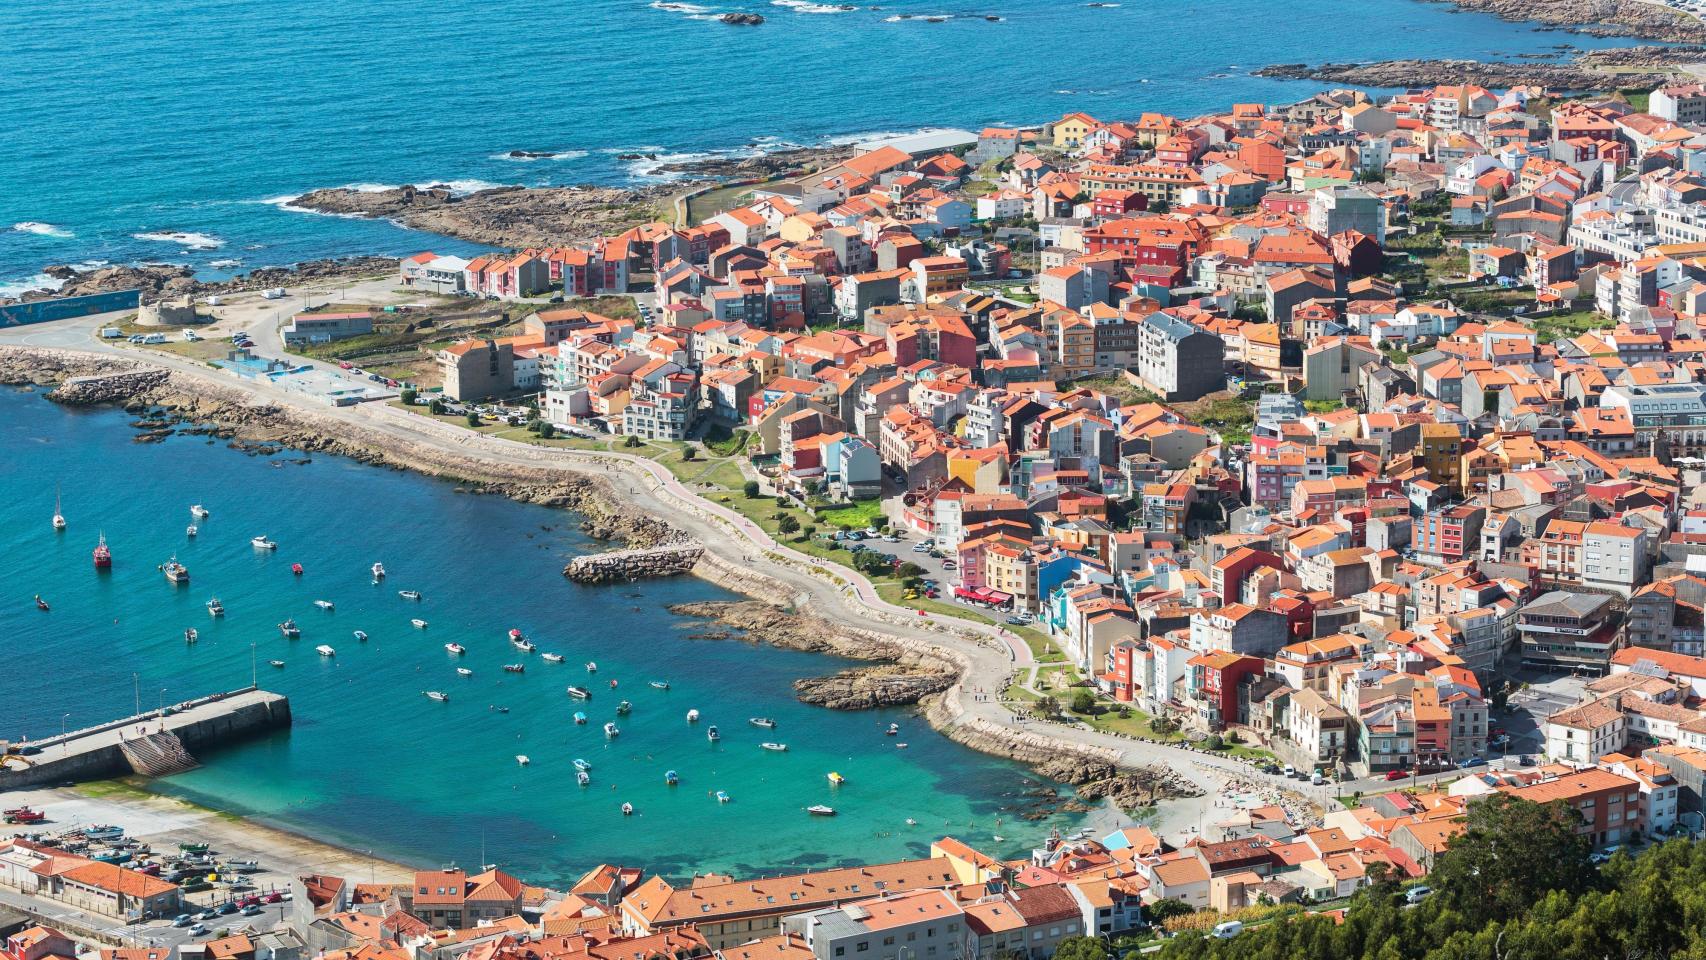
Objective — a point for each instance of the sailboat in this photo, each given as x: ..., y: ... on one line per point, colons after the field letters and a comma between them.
x: 58, y: 517
x: 103, y: 556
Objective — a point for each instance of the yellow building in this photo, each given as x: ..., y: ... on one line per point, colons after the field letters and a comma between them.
x: 1070, y: 130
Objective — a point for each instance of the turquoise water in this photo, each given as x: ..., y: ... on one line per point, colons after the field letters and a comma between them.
x: 371, y: 762
x: 127, y: 121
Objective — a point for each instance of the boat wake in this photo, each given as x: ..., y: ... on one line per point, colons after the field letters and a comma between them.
x: 183, y: 238
x: 42, y: 229
x: 530, y: 156
x: 807, y: 6
x: 691, y: 11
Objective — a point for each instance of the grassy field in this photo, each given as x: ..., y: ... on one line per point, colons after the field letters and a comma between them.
x: 1569, y: 325
x: 711, y: 203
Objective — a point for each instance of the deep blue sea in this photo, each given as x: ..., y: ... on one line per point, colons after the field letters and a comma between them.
x: 170, y: 130
x: 370, y: 761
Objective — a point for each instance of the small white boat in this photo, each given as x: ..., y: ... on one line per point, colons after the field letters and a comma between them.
x: 58, y: 518
x: 894, y: 730
x: 582, y: 765
x: 661, y: 684
x: 325, y: 651
x: 515, y: 668
x: 419, y: 623
x: 525, y: 646
x: 190, y: 531
x: 583, y: 778
x: 772, y: 745
x: 611, y: 730
x: 409, y: 594
x: 712, y: 735
x: 722, y: 797
x: 579, y: 693
x: 764, y: 722
x: 592, y: 666
x: 911, y: 822
x: 289, y: 629
x: 900, y: 746
x: 551, y: 657
x: 627, y: 809
x: 671, y: 778
x: 199, y: 512
x: 190, y: 635
x: 215, y: 608
x: 262, y: 543
x: 276, y: 663
x: 379, y: 571
x: 693, y: 715
x: 820, y: 810
x: 464, y: 672
x: 436, y: 695
x: 521, y: 758
x: 998, y: 838
x: 456, y: 648
x: 325, y: 604
x: 361, y: 635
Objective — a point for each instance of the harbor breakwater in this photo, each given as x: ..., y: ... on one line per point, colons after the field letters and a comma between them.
x: 622, y: 565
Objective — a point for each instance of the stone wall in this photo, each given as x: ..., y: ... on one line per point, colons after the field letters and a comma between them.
x: 622, y: 565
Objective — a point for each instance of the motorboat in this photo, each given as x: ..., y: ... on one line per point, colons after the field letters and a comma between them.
x: 592, y: 666
x: 764, y: 722
x: 900, y: 746
x: 820, y: 810
x: 325, y: 651
x: 624, y: 708
x: 58, y: 517
x: 379, y: 571
x: 515, y: 668
x: 419, y: 623
x: 456, y: 648
x: 500, y: 709
x: 660, y: 684
x: 579, y: 693
x: 521, y: 758
x: 276, y: 663
x: 722, y: 796
x: 175, y: 572
x: 525, y: 646
x: 440, y: 696
x: 361, y: 636
x: 551, y: 657
x: 774, y: 746
x: 215, y: 608
x: 325, y: 604
x: 191, y: 636
x: 836, y: 779
x: 582, y: 765
x: 464, y: 672
x: 41, y: 604
x: 627, y: 809
x: 262, y: 543
x: 190, y: 531
x: 712, y: 735
x: 290, y: 629
x: 514, y: 634
x: 409, y: 594
x: 671, y: 778
x: 103, y: 557
x: 611, y: 730
x: 894, y: 730
x: 693, y: 715
x: 911, y: 822
x: 583, y: 778
x: 580, y: 718
x: 296, y: 569
x: 199, y: 512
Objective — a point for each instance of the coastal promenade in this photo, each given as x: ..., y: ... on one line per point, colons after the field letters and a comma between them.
x: 748, y: 560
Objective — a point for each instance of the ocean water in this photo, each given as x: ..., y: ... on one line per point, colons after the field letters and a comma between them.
x: 372, y: 763
x: 173, y: 130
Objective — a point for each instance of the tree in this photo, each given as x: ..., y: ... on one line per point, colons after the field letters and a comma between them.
x: 437, y: 407
x: 1214, y: 742
x: 1048, y: 706
x: 788, y: 524
x: 750, y: 489
x: 909, y: 570
x: 546, y: 430
x: 1163, y: 910
x: 1083, y: 701
x: 1511, y: 854
x: 408, y: 397
x: 630, y: 441
x: 473, y: 419
x: 689, y: 453
x: 1080, y: 948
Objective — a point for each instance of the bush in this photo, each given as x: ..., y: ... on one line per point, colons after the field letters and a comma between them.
x: 1083, y: 701
x: 408, y: 398
x: 689, y: 453
x: 910, y: 570
x: 546, y: 430
x: 473, y: 419
x: 750, y: 488
x: 631, y: 441
x: 1214, y: 742
x: 788, y: 524
x: 437, y: 407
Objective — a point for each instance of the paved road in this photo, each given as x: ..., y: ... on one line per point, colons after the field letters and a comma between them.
x: 159, y: 932
x: 990, y: 653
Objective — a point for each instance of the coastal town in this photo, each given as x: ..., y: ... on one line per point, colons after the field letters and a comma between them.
x: 1354, y: 445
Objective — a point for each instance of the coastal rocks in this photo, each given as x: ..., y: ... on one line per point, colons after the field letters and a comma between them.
x: 1603, y: 18
x: 1076, y: 770
x: 761, y: 622
x: 161, y: 281
x: 1602, y: 70
x: 634, y: 564
x: 863, y: 688
x: 742, y: 19
x: 110, y: 388
x: 761, y: 166
x: 500, y: 216
x: 1139, y: 789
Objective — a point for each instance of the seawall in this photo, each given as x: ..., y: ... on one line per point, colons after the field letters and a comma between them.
x: 622, y: 565
x: 98, y: 753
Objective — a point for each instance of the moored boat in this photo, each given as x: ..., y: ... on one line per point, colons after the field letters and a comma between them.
x: 515, y: 668
x: 611, y: 730
x: 525, y: 646
x: 464, y: 672
x: 325, y: 651
x: 521, y: 758
x: 820, y: 810
x: 419, y: 623
x: 103, y: 557
x: 627, y: 809
x: 58, y: 517
x: 515, y: 634
x: 579, y: 693
x: 409, y: 594
x: 190, y: 531
x: 764, y: 722
x: 378, y: 571
x: 41, y: 604
x: 894, y: 730
x: 580, y: 718
x: 582, y: 765
x: 325, y: 604
x: 773, y: 746
x: 191, y: 636
x: 199, y: 512
x: 361, y: 636
x: 438, y: 695
x: 661, y: 684
x: 693, y: 715
x: 276, y: 663
x: 582, y: 777
x: 624, y: 708
x: 836, y: 779
x: 551, y: 657
x: 175, y: 572
x: 712, y: 735
x: 215, y: 608
x: 296, y: 569
x: 456, y: 649
x: 290, y: 629
x: 592, y: 666
x: 670, y: 778
x: 262, y: 543
x: 722, y: 796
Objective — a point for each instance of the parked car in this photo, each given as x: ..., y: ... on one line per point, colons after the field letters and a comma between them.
x: 183, y: 920
x: 1290, y: 770
x: 1397, y: 774
x: 345, y: 365
x: 1417, y: 894
x: 252, y: 911
x: 1229, y: 929
x: 198, y: 930
x: 207, y: 915
x: 1316, y: 778
x: 273, y: 897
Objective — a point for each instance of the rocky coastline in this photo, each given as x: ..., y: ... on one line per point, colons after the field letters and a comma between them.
x: 1596, y: 70
x: 161, y: 280
x: 1599, y: 18
x: 500, y: 216
x: 866, y: 688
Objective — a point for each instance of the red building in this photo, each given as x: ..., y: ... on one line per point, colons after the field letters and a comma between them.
x: 1109, y: 204
x: 1213, y: 679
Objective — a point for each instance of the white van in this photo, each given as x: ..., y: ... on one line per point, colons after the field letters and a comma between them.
x: 154, y: 338
x: 1229, y: 929
x: 190, y: 336
x: 276, y: 293
x: 1417, y: 894
x: 111, y: 333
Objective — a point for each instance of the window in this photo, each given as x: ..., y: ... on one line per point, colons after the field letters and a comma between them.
x: 863, y: 946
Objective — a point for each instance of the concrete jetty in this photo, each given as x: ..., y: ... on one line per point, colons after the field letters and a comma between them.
x: 154, y: 744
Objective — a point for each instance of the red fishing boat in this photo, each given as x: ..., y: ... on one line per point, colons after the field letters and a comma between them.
x: 103, y: 556
x: 296, y: 568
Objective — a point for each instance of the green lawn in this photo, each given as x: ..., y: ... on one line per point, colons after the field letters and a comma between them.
x: 1569, y: 325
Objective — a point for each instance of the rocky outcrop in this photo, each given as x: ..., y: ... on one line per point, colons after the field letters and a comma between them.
x: 1601, y: 18
x: 501, y: 216
x: 112, y: 388
x: 863, y: 688
x: 742, y: 19
x: 1139, y: 789
x: 624, y: 565
x: 161, y: 281
x: 1595, y: 70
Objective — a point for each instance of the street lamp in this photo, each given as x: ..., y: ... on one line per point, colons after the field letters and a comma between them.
x: 64, y: 745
